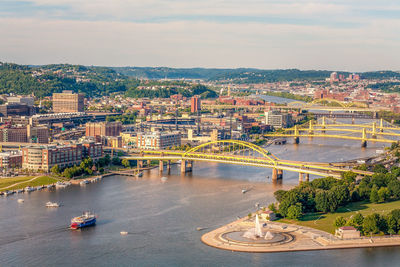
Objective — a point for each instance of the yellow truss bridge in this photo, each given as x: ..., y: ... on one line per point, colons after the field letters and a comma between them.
x: 240, y: 153
x: 331, y: 129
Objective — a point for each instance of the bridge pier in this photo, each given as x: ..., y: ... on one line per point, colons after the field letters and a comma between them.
x: 148, y: 163
x: 280, y: 174
x: 307, y: 177
x: 169, y: 166
x: 364, y: 143
x: 300, y: 177
x: 274, y: 175
x: 186, y: 166
x: 161, y: 166
x: 277, y: 174
x: 139, y: 164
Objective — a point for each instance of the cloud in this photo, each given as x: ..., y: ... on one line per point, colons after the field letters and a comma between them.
x: 212, y: 33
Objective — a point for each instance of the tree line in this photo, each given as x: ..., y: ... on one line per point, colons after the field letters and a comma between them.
x: 328, y: 194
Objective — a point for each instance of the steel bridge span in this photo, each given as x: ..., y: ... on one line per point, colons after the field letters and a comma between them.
x: 240, y: 153
x: 373, y: 132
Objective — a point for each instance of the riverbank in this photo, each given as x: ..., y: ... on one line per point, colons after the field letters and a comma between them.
x: 22, y: 182
x: 293, y: 238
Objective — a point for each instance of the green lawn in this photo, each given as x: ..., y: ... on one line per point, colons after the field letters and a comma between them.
x: 324, y: 221
x: 43, y: 180
x: 4, y: 182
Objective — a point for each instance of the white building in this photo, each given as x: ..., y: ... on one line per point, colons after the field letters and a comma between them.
x: 158, y: 140
x: 277, y: 119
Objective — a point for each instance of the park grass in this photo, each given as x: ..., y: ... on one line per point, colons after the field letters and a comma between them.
x: 325, y: 221
x: 42, y: 180
x: 4, y: 182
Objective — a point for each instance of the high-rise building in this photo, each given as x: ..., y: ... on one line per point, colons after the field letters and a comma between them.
x: 195, y: 104
x: 68, y: 101
x: 103, y: 128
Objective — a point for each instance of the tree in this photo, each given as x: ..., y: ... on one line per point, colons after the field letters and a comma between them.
x: 383, y: 194
x: 371, y: 224
x: 392, y: 226
x: 321, y: 201
x: 116, y: 161
x: 126, y: 163
x: 279, y: 195
x: 394, y: 187
x: 55, y: 169
x: 271, y: 207
x: 107, y: 159
x: 341, y: 193
x: 294, y: 211
x: 379, y: 168
x: 374, y: 197
x: 356, y: 221
x: 339, y: 222
x: 349, y: 176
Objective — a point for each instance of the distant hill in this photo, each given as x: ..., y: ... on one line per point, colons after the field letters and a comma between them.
x: 174, y: 73
x: 241, y: 75
x: 43, y: 80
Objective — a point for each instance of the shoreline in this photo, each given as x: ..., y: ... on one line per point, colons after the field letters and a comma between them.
x: 304, y: 239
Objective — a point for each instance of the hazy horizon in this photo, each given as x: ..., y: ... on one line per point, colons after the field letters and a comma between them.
x: 354, y: 36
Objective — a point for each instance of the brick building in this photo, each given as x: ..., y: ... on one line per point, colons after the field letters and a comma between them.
x: 67, y: 101
x: 103, y: 128
x: 45, y: 157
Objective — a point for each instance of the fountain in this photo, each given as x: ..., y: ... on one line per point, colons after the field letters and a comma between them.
x: 256, y: 237
x: 269, y: 236
x: 256, y: 232
x: 259, y: 232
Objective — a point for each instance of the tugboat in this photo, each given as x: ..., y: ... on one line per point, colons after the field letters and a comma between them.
x: 87, y: 219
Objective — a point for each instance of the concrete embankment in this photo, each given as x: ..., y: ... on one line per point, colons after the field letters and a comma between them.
x: 303, y: 238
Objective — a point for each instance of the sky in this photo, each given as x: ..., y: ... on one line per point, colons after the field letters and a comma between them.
x: 349, y: 35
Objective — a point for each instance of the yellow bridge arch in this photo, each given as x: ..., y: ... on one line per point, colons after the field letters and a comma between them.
x: 340, y: 103
x: 241, y: 146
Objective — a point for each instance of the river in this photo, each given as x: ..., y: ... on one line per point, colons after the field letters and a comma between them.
x: 162, y: 217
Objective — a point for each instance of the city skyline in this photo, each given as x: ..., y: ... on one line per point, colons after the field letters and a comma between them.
x: 334, y: 35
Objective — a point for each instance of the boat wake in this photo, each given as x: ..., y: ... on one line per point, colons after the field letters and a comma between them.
x: 21, y: 237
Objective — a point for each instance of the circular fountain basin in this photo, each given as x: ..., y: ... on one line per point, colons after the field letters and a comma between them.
x: 278, y: 238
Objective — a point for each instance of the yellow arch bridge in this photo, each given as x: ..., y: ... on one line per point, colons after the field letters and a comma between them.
x: 383, y: 132
x: 239, y: 153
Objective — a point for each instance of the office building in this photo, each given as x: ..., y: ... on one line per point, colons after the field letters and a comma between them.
x: 45, y: 157
x: 278, y: 120
x: 14, y: 134
x: 68, y: 101
x: 37, y: 134
x: 103, y: 128
x: 16, y: 109
x: 24, y: 100
x: 195, y: 104
x: 158, y: 140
